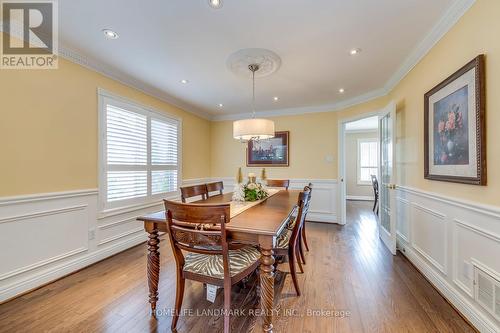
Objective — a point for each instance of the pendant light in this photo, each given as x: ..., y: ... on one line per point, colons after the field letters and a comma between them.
x: 253, y: 128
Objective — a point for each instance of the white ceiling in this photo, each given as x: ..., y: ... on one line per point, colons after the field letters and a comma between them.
x: 365, y: 124
x: 164, y: 41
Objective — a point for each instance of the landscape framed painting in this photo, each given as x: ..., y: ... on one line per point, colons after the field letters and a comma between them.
x: 272, y: 152
x: 454, y: 133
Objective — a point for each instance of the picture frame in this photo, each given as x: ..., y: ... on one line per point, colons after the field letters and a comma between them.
x: 455, y: 127
x: 272, y: 152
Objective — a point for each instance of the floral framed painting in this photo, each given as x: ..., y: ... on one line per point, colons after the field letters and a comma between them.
x: 455, y: 137
x: 269, y: 152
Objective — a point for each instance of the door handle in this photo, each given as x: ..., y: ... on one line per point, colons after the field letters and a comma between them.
x: 391, y: 186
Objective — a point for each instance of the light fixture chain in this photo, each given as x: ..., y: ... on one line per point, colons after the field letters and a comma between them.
x: 253, y: 93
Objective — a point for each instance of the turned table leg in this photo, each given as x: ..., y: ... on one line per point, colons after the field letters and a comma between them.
x: 267, y: 288
x: 153, y: 268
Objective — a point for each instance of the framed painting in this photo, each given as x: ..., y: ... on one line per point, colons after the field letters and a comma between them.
x: 269, y: 152
x: 454, y: 134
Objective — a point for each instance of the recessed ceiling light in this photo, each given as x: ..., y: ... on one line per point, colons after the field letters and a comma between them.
x: 110, y: 34
x: 215, y: 4
x: 355, y: 51
x: 184, y: 81
x: 276, y: 98
x: 220, y: 105
x: 341, y: 90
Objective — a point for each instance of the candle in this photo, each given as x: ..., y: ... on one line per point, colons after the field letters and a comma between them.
x: 252, y: 178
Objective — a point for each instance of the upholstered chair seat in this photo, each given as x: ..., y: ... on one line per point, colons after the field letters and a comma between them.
x: 212, y: 265
x: 283, y: 239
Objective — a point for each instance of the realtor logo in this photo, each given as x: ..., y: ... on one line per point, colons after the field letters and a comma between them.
x: 30, y: 35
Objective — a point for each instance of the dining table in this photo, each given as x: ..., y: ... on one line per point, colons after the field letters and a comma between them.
x: 257, y: 223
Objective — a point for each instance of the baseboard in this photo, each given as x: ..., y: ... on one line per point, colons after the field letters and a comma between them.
x: 359, y: 198
x: 321, y: 217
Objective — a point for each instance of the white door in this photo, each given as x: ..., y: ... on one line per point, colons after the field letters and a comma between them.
x: 387, y: 203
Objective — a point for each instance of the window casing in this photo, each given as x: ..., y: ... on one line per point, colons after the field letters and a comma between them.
x: 140, y: 153
x: 367, y: 160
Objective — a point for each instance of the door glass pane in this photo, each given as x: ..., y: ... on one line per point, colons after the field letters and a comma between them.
x: 385, y: 171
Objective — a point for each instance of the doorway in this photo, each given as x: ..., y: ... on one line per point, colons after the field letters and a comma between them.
x: 374, y: 156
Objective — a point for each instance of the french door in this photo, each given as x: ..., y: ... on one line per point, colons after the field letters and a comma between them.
x: 387, y: 203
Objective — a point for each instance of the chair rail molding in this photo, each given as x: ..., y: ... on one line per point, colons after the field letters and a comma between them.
x: 445, y: 238
x: 65, y: 232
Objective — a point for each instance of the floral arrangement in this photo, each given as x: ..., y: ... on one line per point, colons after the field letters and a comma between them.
x: 452, y: 138
x: 251, y: 191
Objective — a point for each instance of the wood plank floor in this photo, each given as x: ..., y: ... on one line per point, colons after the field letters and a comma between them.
x: 351, y: 284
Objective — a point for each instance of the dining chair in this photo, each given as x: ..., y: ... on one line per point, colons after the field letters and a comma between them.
x: 278, y: 183
x: 287, y: 242
x: 193, y: 191
x: 217, y: 186
x: 375, y: 192
x: 200, y: 232
x: 303, y: 235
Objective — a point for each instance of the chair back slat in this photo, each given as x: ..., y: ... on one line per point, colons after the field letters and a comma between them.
x: 306, y: 208
x: 374, y: 184
x: 279, y: 183
x: 195, y: 190
x: 197, y: 228
x: 302, y: 203
x: 217, y: 186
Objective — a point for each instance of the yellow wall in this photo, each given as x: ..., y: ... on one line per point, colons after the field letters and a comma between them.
x: 312, y: 138
x: 476, y: 32
x: 48, y: 129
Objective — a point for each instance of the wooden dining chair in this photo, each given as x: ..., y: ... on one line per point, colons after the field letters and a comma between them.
x: 217, y: 186
x: 200, y: 232
x: 287, y: 243
x: 375, y: 192
x: 278, y: 183
x: 303, y: 235
x: 193, y: 191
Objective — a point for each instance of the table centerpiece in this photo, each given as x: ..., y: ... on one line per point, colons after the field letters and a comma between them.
x: 251, y: 191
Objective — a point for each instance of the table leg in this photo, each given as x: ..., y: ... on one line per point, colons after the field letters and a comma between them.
x: 153, y: 268
x: 267, y: 288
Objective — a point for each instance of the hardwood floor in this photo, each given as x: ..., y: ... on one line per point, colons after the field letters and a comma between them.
x: 349, y: 275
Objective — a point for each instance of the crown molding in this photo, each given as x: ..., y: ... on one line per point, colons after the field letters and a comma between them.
x: 128, y: 80
x: 116, y: 75
x: 308, y: 109
x: 445, y: 23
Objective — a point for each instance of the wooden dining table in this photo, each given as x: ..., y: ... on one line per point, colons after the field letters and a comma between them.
x: 257, y: 225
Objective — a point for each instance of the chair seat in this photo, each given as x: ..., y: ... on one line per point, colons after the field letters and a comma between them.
x: 283, y: 240
x: 212, y: 265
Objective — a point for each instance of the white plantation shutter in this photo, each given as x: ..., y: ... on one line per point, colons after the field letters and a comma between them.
x: 139, y: 153
x: 126, y: 137
x: 163, y: 143
x: 164, y: 156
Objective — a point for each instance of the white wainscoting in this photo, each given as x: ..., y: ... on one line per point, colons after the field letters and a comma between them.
x: 442, y: 237
x: 324, y: 196
x: 46, y: 236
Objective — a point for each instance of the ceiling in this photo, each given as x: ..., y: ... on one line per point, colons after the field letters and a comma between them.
x: 365, y: 124
x: 162, y: 42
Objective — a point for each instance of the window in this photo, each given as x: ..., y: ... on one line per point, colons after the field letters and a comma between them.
x: 139, y: 153
x: 367, y: 160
